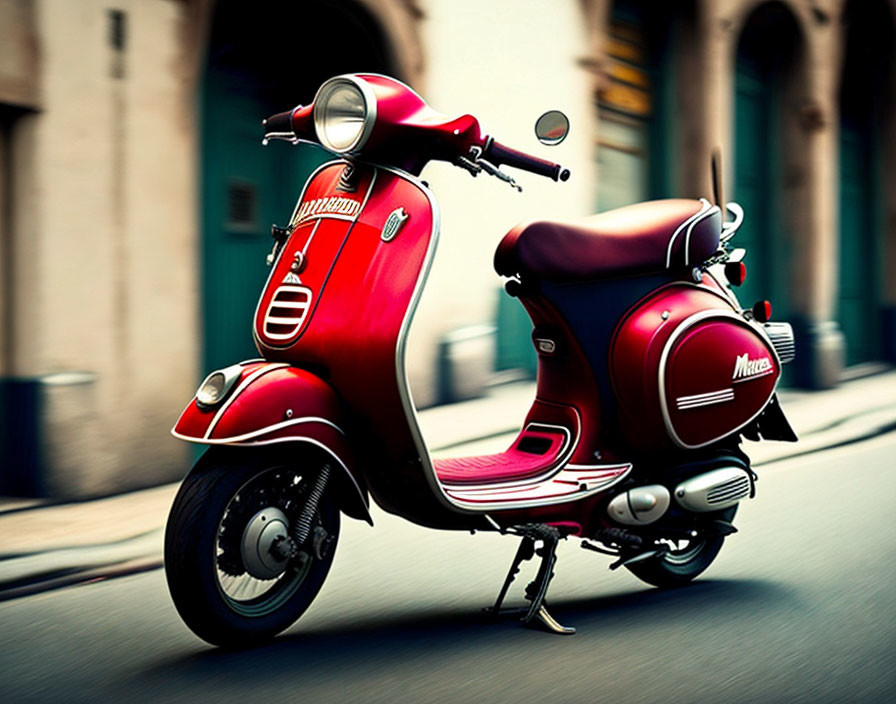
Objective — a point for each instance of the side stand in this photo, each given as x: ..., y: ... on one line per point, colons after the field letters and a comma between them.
x: 536, y: 616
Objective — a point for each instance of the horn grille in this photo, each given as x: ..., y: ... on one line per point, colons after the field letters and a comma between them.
x: 287, y: 311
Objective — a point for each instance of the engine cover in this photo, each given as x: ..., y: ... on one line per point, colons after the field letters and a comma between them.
x: 689, y: 370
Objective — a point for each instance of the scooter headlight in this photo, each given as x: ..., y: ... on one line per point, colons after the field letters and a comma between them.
x: 344, y: 113
x: 216, y: 386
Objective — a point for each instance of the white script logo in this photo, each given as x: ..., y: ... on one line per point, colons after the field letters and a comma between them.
x: 746, y: 368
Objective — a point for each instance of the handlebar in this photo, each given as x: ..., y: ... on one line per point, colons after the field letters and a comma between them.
x: 279, y: 125
x: 498, y: 154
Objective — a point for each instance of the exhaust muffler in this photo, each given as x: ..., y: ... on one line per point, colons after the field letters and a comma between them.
x: 713, y: 491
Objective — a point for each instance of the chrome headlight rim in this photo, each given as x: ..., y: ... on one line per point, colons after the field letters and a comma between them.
x: 325, y: 92
x: 229, y: 375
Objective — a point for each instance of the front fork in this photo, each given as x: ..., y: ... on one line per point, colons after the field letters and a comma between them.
x: 287, y: 547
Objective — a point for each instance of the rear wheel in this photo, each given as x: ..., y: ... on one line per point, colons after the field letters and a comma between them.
x: 231, y: 574
x: 683, y: 560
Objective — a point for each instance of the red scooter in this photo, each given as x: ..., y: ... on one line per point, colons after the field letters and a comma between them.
x: 649, y: 375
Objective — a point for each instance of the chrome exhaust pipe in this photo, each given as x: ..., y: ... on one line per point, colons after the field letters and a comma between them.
x: 715, y: 490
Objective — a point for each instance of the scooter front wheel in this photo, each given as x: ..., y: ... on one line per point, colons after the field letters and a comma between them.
x: 235, y: 573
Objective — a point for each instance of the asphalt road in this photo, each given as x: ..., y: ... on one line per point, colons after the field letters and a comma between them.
x: 799, y: 607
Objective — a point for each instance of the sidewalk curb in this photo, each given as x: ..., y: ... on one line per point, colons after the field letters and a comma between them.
x: 24, y: 573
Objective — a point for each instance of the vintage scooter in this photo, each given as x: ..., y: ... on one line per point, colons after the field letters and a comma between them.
x: 649, y: 374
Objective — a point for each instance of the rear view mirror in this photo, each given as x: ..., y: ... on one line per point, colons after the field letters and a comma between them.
x: 552, y: 128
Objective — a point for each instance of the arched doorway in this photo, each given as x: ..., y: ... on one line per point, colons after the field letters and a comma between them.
x: 768, y: 67
x: 864, y: 93
x: 257, y: 64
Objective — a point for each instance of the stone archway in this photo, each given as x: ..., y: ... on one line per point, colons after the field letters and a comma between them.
x: 865, y: 113
x: 769, y: 151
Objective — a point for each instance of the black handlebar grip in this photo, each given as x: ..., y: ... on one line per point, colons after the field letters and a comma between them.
x: 499, y: 154
x: 281, y: 123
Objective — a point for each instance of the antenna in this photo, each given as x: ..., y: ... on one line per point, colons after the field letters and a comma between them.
x: 717, y: 193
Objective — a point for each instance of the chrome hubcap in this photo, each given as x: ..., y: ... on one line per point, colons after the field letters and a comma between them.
x: 262, y: 530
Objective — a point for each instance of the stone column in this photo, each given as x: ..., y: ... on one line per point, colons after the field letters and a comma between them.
x: 814, y: 216
x: 5, y: 218
x: 706, y: 72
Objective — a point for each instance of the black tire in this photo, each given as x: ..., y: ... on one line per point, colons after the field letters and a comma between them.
x: 683, y: 563
x: 203, y: 513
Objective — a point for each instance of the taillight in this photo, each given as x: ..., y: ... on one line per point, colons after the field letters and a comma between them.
x: 736, y: 273
x: 762, y: 311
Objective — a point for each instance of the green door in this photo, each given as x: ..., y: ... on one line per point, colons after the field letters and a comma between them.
x: 246, y: 187
x: 857, y: 301
x: 756, y: 187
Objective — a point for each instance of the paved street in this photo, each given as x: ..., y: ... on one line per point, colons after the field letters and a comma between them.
x: 799, y: 607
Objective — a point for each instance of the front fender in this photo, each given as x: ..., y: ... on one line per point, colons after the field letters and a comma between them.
x: 274, y: 403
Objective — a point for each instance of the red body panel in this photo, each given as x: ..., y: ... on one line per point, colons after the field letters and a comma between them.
x: 360, y: 288
x: 362, y: 291
x: 266, y: 399
x: 272, y: 403
x: 674, y: 361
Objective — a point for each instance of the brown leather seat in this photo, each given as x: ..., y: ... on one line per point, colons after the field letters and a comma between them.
x: 641, y: 238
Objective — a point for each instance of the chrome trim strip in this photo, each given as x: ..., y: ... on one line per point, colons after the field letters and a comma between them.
x: 257, y: 432
x: 729, y: 229
x: 682, y: 327
x: 726, y: 286
x: 401, y: 373
x: 575, y: 494
x: 311, y: 236
x: 239, y: 389
x: 681, y: 227
x: 703, y: 397
x: 327, y: 216
x: 687, y: 238
x: 685, y: 403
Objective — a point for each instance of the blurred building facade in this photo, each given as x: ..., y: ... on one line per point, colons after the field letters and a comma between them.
x: 135, y: 198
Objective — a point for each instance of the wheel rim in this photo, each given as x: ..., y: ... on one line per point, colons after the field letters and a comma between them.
x: 272, y: 492
x: 684, y: 551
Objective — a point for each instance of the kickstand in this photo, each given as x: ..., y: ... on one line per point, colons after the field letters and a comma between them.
x: 525, y: 551
x: 536, y: 616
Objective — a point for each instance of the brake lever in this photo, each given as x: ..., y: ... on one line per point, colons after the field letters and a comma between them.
x: 493, y: 170
x: 469, y: 165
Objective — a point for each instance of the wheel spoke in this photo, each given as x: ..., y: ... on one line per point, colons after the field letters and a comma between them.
x: 266, y: 495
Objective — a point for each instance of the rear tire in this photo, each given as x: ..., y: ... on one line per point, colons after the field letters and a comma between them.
x: 205, y: 539
x: 683, y: 562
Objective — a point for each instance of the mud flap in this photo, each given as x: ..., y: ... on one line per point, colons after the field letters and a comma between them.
x: 771, y: 424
